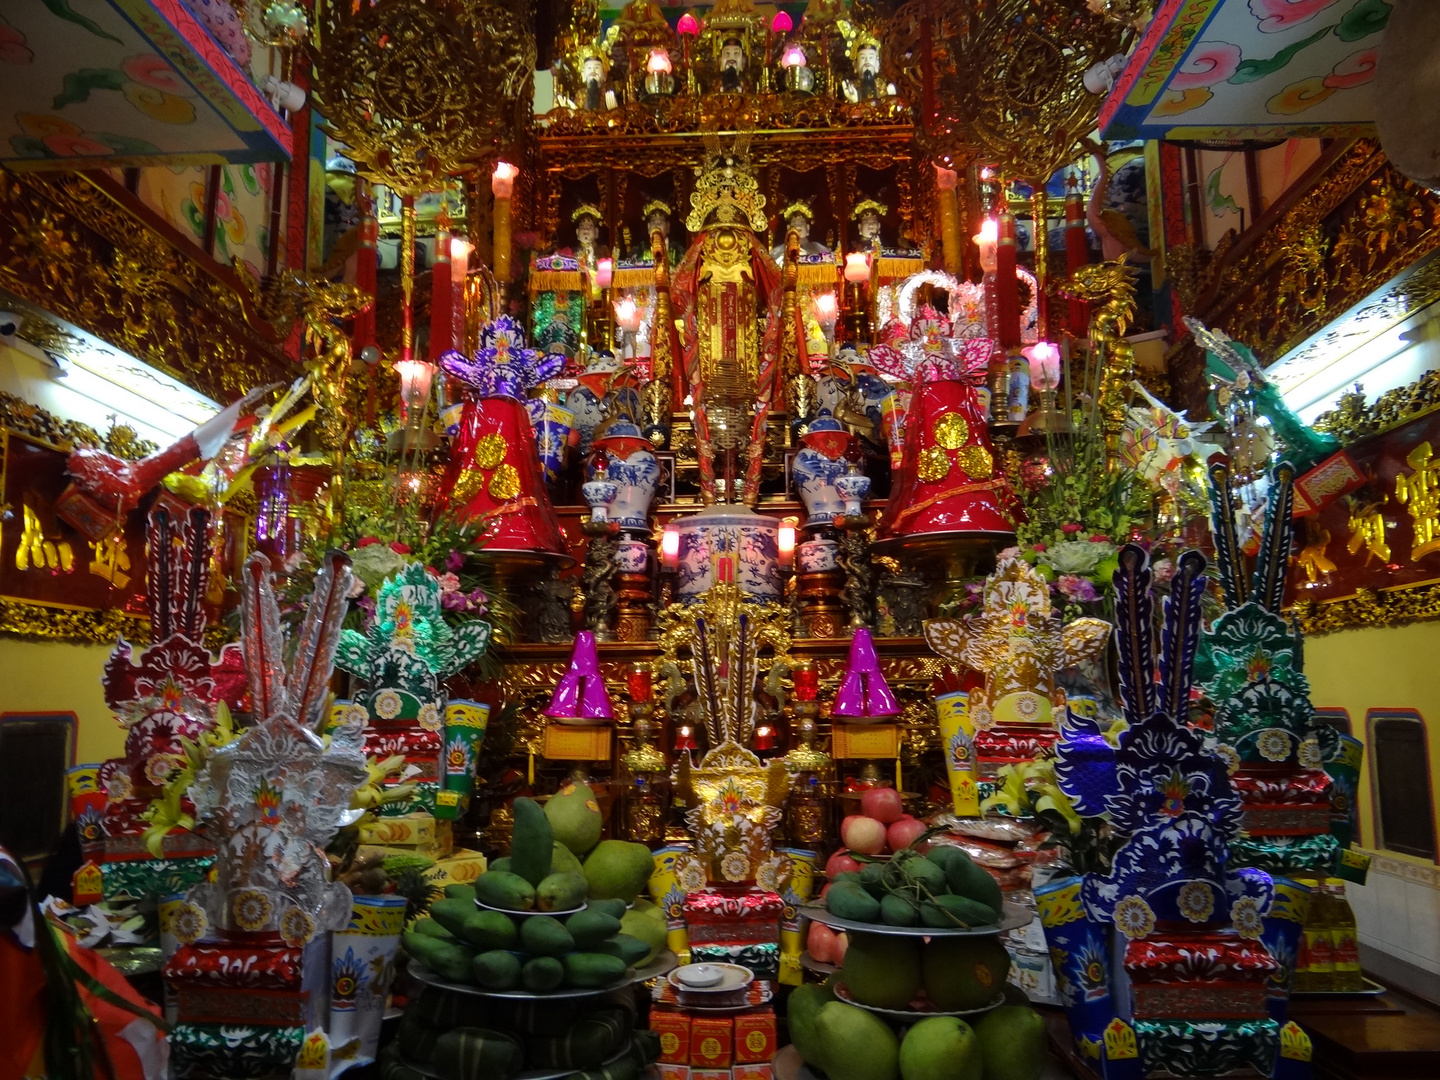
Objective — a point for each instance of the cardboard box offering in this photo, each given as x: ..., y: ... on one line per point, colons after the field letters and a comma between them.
x: 674, y: 1031
x: 755, y: 1037
x: 710, y: 1042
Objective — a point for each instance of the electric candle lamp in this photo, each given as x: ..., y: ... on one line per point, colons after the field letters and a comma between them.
x: 641, y: 684
x: 659, y: 62
x: 627, y: 313
x: 987, y: 239
x: 825, y: 310
x: 764, y: 738
x: 793, y: 57
x: 502, y: 180
x: 670, y: 548
x: 415, y: 376
x: 1044, y: 357
x: 807, y: 681
x: 684, y: 738
x: 785, y: 539
x: 604, y: 272
x: 688, y: 25
x: 857, y: 267
x: 781, y: 23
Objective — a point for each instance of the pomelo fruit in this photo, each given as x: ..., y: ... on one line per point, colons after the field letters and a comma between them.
x: 1012, y: 1042
x: 618, y: 869
x: 574, y: 815
x: 805, y: 1004
x: 962, y: 973
x: 855, y: 1044
x: 883, y: 970
x: 941, y: 1048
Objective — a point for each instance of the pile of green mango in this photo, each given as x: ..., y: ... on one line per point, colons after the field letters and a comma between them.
x: 539, y: 953
x: 459, y: 1036
x: 941, y: 890
x: 586, y: 945
x: 849, y: 1043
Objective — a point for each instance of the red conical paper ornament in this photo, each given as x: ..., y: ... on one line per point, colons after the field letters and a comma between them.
x: 948, y: 480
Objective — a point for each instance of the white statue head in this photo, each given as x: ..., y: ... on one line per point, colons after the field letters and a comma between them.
x: 732, y: 55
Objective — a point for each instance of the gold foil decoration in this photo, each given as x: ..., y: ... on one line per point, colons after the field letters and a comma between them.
x: 934, y: 464
x: 977, y: 462
x: 1367, y: 530
x: 490, y: 451
x: 951, y: 431
x: 1420, y: 494
x: 505, y: 484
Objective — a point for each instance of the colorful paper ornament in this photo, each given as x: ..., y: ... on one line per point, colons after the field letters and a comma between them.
x: 864, y: 694
x: 581, y: 696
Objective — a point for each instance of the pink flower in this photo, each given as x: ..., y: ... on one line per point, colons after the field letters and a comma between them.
x: 1278, y: 15
x: 1070, y: 529
x: 1099, y: 538
x: 1037, y: 547
x: 449, y: 583
x: 366, y: 541
x: 76, y: 146
x: 1076, y: 588
x: 147, y: 69
x: 454, y: 561
x: 399, y: 548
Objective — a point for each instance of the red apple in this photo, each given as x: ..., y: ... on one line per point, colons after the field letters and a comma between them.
x: 904, y: 832
x: 821, y: 943
x: 863, y: 834
x: 840, y: 863
x: 883, y: 804
x: 842, y: 942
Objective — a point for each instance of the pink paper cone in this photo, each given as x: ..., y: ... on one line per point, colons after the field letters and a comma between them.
x: 863, y: 691
x: 581, y: 693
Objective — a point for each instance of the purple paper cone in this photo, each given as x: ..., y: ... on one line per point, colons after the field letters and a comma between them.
x: 581, y: 693
x: 863, y: 691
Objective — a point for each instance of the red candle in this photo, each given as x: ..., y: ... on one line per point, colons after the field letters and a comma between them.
x: 684, y: 740
x: 641, y: 685
x: 442, y: 298
x: 1007, y: 284
x: 1077, y: 254
x: 764, y: 738
x: 807, y: 681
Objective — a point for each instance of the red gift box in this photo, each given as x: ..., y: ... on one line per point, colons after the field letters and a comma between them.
x: 228, y: 1005
x: 674, y: 1031
x: 755, y: 1037
x: 718, y: 907
x: 711, y: 1042
x: 249, y: 967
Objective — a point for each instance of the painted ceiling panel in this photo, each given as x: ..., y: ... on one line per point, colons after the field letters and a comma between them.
x: 1251, y: 69
x: 132, y: 82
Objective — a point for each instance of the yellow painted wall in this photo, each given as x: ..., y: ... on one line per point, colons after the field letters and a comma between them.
x: 40, y: 676
x: 1391, y: 668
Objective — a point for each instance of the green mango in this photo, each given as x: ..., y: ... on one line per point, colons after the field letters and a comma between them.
x: 541, y: 974
x: 542, y: 935
x: 852, y: 903
x: 641, y: 926
x: 804, y: 1005
x: 563, y: 860
x: 460, y: 892
x: 496, y: 970
x: 591, y: 971
x: 531, y: 841
x: 631, y: 950
x: 452, y: 915
x: 897, y: 910
x: 590, y: 927
x: 561, y: 892
x: 952, y: 912
x: 883, y: 970
x: 614, y: 906
x: 501, y: 889
x: 432, y: 929
x: 490, y: 930
x: 449, y: 961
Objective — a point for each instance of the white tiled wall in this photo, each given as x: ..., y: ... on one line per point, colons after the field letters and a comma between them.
x: 1398, y: 911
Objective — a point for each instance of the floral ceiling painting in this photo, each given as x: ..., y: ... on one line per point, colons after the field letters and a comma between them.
x: 1251, y: 69
x: 133, y: 82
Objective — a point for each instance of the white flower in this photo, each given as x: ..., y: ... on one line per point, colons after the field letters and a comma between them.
x: 1196, y: 901
x: 1227, y: 754
x: 1133, y: 917
x: 767, y: 875
x: 981, y: 717
x: 296, y: 927
x: 1273, y: 744
x: 429, y: 717
x: 388, y: 704
x: 691, y: 876
x: 188, y: 923
x: 354, y: 716
x: 1309, y: 753
x: 735, y: 867
x: 1245, y: 914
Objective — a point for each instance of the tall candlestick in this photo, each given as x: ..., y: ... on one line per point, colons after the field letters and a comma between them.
x: 946, y: 181
x: 1007, y: 284
x: 460, y: 250
x: 1077, y: 254
x: 366, y: 265
x: 407, y: 278
x: 442, y: 293
x: 502, y: 186
x: 1040, y: 220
